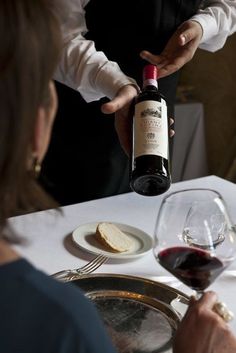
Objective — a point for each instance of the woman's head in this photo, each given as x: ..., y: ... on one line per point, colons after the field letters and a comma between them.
x: 29, y: 52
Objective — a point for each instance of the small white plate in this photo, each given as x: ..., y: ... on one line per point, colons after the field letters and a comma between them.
x: 84, y: 237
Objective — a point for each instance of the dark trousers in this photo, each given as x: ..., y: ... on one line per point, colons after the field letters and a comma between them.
x: 84, y: 160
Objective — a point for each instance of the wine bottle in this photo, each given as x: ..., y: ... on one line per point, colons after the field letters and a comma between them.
x: 150, y: 169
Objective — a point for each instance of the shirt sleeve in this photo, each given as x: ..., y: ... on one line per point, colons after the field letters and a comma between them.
x: 82, y: 67
x: 218, y: 21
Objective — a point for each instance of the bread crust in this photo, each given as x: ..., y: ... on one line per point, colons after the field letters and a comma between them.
x: 106, y: 239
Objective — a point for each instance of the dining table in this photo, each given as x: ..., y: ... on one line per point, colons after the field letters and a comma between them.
x: 46, y: 236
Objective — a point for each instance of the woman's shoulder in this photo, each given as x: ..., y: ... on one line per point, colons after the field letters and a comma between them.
x: 71, y: 307
x: 58, y: 312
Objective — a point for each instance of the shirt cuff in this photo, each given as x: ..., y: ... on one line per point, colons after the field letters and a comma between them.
x: 109, y: 84
x: 209, y: 26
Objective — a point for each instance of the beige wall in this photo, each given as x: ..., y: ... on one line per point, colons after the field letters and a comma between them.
x: 213, y: 76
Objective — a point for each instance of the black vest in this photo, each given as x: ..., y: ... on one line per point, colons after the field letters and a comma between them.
x: 121, y: 29
x: 94, y: 164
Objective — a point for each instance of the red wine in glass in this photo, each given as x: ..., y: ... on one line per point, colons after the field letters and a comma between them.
x: 195, y: 238
x: 194, y: 267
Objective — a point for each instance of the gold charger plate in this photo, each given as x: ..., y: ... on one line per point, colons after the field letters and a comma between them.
x: 140, y: 315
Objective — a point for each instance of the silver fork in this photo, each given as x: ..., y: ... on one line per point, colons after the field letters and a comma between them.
x: 91, y: 266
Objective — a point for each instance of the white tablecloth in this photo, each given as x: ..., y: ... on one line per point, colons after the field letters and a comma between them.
x: 50, y: 248
x: 189, y: 150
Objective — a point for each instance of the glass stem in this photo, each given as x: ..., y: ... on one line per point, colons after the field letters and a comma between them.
x: 199, y: 293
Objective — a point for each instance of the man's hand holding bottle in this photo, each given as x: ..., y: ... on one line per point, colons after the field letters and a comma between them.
x: 179, y: 50
x: 122, y: 106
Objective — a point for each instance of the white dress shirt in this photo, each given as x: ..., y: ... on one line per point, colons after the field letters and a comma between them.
x: 94, y: 76
x: 218, y: 20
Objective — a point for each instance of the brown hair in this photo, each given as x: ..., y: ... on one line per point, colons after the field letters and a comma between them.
x: 29, y: 50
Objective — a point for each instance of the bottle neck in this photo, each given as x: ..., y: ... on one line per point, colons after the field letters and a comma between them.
x: 150, y: 82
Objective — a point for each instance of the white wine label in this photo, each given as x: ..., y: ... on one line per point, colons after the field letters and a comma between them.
x: 151, y: 129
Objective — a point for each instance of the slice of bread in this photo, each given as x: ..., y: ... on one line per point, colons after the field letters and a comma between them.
x: 113, y: 238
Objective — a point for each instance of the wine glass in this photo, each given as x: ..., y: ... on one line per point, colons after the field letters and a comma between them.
x: 195, y: 239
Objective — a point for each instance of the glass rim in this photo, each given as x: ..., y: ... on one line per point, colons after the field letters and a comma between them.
x: 167, y: 197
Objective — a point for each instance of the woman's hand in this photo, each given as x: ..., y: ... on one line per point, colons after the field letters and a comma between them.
x: 202, y: 330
